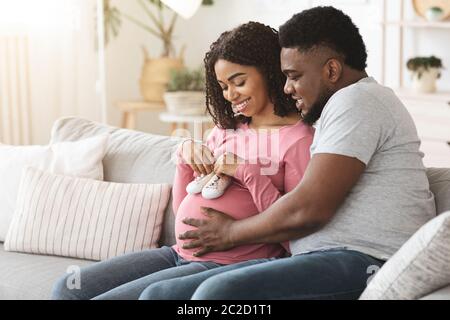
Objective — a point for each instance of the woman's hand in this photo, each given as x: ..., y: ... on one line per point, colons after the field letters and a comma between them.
x: 227, y: 164
x: 198, y: 157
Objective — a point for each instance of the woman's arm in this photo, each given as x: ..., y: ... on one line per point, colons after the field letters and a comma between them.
x: 263, y: 191
x: 183, y: 176
x: 184, y: 173
x: 296, y: 161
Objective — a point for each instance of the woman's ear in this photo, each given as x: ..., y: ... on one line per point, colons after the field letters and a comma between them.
x: 334, y: 70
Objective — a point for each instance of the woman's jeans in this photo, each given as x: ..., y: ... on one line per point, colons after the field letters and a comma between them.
x: 330, y: 274
x: 126, y: 276
x: 162, y: 274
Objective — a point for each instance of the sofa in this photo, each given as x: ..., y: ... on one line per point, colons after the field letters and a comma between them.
x: 132, y: 157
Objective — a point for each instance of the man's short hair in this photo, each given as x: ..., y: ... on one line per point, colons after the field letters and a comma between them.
x: 326, y: 26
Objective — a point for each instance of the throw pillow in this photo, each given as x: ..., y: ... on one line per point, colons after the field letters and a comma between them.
x: 421, y: 266
x: 82, y: 158
x: 84, y: 218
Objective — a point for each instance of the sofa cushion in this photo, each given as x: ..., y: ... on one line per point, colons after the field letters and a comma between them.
x: 84, y: 218
x: 131, y: 157
x: 31, y: 277
x: 420, y: 267
x: 439, y: 179
x: 80, y: 158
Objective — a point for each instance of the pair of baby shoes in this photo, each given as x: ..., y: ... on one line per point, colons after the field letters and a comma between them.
x: 211, y: 186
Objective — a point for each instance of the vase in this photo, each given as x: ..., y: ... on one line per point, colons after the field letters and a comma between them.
x: 424, y: 81
x: 434, y: 14
x: 186, y: 103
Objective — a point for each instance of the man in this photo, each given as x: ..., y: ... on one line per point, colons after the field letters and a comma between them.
x: 365, y: 191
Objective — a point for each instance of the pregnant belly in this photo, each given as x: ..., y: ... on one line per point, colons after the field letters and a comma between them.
x: 237, y: 202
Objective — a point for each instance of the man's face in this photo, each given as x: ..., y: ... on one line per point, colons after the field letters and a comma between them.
x: 305, y: 82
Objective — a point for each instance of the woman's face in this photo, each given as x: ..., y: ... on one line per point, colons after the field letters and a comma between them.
x: 244, y: 87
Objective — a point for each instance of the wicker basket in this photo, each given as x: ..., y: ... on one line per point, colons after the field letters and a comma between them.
x: 155, y: 76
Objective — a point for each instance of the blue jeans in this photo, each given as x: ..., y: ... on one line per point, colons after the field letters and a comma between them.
x: 126, y: 276
x: 330, y: 274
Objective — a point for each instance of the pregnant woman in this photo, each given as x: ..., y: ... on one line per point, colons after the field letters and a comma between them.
x: 260, y: 146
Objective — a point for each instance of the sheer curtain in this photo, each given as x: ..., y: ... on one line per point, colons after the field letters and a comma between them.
x: 48, y: 66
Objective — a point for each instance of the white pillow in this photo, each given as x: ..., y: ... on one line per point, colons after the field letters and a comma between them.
x: 81, y: 158
x: 84, y: 218
x: 421, y: 266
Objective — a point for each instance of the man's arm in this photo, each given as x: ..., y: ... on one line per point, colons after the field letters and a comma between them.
x: 311, y: 205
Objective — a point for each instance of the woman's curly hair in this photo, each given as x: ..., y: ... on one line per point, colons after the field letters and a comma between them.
x: 250, y: 44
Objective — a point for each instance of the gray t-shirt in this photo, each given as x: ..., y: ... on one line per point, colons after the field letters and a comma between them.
x: 392, y: 199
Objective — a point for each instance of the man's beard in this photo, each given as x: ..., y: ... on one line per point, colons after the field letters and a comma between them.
x: 316, y: 109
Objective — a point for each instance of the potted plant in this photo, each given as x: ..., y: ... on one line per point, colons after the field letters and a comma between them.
x: 186, y: 92
x: 425, y: 72
x: 434, y: 14
x: 156, y: 71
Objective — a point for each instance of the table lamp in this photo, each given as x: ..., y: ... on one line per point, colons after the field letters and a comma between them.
x: 185, y: 8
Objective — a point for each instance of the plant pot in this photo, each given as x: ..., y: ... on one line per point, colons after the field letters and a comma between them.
x: 155, y: 77
x: 424, y: 81
x: 434, y: 14
x: 185, y: 102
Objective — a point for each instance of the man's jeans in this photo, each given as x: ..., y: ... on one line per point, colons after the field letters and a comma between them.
x: 330, y: 274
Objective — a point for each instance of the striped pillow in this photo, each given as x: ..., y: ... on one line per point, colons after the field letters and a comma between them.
x: 84, y: 218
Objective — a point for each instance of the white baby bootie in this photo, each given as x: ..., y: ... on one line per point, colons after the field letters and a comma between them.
x: 198, y: 183
x: 216, y: 187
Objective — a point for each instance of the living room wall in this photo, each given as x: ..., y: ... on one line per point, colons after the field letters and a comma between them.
x: 48, y: 66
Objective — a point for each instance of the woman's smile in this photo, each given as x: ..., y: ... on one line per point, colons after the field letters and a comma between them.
x: 241, y: 106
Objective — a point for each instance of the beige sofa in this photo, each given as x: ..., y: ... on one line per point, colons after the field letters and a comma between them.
x: 132, y: 157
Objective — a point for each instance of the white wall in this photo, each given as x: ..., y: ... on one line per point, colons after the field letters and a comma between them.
x: 52, y: 73
x: 124, y: 57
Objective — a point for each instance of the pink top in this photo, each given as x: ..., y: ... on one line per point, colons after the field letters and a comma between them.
x: 275, y: 161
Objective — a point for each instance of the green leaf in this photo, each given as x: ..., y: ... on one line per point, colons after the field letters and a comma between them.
x: 186, y: 80
x: 417, y: 63
x: 154, y: 25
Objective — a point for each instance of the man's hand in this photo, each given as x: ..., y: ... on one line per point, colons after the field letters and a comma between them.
x: 212, y: 234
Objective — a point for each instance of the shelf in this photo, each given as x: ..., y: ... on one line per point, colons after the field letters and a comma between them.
x: 440, y: 96
x: 419, y: 24
x: 400, y: 23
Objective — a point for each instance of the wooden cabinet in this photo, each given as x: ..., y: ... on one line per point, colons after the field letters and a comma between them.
x: 431, y: 114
